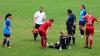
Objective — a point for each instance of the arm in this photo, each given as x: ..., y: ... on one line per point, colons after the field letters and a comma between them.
x: 49, y: 26
x: 34, y: 21
x: 48, y: 30
x: 35, y: 17
x: 74, y: 23
x: 44, y: 18
x: 97, y: 20
x: 8, y: 25
x: 10, y: 29
x: 85, y: 17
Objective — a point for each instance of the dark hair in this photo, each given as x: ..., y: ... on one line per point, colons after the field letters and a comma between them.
x: 7, y: 15
x: 69, y: 11
x: 83, y: 7
x: 52, y: 20
x: 41, y: 7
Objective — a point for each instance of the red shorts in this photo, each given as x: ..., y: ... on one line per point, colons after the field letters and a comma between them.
x: 43, y: 38
x: 89, y: 31
x: 42, y: 34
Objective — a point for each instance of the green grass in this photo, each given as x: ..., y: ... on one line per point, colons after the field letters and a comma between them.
x: 23, y: 10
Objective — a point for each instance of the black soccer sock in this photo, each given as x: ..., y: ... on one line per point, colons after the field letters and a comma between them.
x: 82, y: 32
x: 69, y: 40
x: 73, y: 40
x: 8, y: 42
x: 4, y: 42
x: 35, y: 36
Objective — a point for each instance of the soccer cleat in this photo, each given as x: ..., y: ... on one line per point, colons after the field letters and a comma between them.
x: 90, y: 47
x: 85, y: 46
x: 47, y: 44
x: 4, y: 46
x: 9, y: 47
x: 34, y: 39
x: 82, y: 36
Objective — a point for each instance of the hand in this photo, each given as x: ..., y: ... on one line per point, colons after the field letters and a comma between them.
x: 98, y: 20
x: 74, y: 23
x: 11, y: 31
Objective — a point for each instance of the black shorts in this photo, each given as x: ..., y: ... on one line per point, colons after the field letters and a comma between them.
x: 37, y: 26
x: 82, y: 23
x: 6, y: 35
x: 65, y: 42
x: 71, y: 29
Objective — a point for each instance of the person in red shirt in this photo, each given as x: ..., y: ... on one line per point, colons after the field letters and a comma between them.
x: 90, y: 19
x: 43, y: 29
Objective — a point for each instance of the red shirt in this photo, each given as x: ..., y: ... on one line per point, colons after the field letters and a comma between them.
x: 90, y: 21
x: 45, y: 26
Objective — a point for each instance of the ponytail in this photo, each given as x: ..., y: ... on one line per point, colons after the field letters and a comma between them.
x: 7, y: 15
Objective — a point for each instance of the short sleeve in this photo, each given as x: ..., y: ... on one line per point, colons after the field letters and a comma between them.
x: 8, y: 23
x: 84, y: 12
x: 85, y: 17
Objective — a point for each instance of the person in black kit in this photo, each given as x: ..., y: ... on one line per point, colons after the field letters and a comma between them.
x: 63, y: 43
x: 71, y: 26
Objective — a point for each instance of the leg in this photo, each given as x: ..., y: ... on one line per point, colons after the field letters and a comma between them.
x: 81, y: 27
x: 81, y: 30
x: 43, y: 42
x: 43, y: 38
x: 87, y: 35
x: 91, y: 38
x: 73, y: 38
x: 8, y: 41
x: 51, y: 45
x: 36, y: 34
x: 69, y: 30
x: 4, y: 41
x: 86, y: 42
x: 69, y: 43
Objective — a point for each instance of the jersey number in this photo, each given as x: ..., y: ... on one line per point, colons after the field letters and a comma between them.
x: 89, y: 21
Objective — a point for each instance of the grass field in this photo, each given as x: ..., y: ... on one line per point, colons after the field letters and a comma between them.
x: 23, y: 10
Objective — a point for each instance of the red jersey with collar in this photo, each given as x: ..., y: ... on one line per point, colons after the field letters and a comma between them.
x: 90, y: 21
